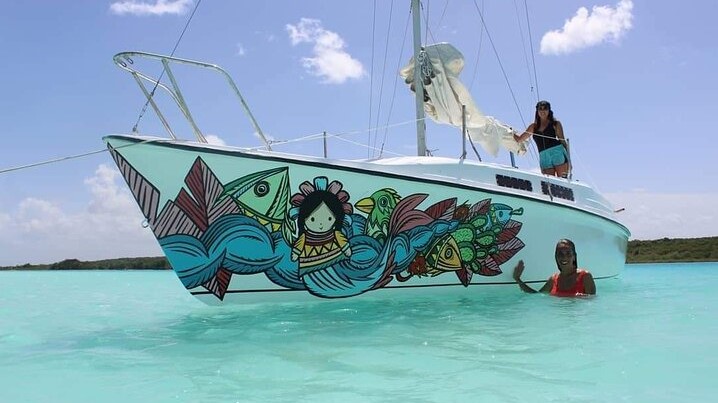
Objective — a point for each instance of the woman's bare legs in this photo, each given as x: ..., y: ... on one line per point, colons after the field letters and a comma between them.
x: 561, y: 170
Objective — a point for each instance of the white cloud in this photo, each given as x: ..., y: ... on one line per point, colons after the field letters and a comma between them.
x: 159, y: 7
x: 585, y: 29
x: 330, y: 61
x: 662, y: 215
x: 39, y: 216
x: 214, y: 139
x: 240, y: 50
x: 40, y: 231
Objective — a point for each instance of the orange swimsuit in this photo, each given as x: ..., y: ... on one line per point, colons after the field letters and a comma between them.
x: 577, y: 288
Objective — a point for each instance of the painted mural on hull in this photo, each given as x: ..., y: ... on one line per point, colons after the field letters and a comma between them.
x: 315, y: 237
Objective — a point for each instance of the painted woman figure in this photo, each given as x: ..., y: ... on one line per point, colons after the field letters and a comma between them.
x: 321, y: 242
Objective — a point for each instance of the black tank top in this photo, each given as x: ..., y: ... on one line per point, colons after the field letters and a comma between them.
x: 547, y: 138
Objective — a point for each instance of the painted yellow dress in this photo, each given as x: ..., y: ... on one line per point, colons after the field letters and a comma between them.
x: 317, y: 251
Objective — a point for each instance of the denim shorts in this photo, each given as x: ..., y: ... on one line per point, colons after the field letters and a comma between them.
x: 552, y: 157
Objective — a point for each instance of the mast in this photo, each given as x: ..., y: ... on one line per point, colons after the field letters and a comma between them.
x: 418, y: 81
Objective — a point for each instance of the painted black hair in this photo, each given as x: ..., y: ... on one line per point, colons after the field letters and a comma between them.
x: 313, y: 200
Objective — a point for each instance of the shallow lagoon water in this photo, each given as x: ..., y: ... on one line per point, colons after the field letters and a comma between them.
x: 119, y: 336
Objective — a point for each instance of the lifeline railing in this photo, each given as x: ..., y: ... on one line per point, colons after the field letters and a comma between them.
x: 125, y: 61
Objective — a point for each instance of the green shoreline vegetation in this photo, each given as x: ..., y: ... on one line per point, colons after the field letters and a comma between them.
x: 653, y: 251
x: 673, y: 250
x: 127, y: 263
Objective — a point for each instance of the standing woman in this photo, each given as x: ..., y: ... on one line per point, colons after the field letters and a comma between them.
x: 548, y: 135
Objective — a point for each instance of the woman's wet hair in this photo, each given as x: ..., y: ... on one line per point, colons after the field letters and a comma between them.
x: 571, y: 245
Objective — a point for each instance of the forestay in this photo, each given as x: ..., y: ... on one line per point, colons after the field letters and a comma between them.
x: 444, y: 95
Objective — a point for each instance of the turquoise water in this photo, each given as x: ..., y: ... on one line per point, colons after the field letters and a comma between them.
x: 650, y: 335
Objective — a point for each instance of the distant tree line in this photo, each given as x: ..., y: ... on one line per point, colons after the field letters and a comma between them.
x: 654, y: 251
x: 673, y: 250
x: 128, y: 263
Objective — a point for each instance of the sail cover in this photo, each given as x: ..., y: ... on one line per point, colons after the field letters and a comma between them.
x: 444, y: 94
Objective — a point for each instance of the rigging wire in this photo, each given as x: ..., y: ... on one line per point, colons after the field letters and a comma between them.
x: 431, y: 34
x: 321, y: 135
x: 498, y: 58
x: 152, y: 93
x: 52, y: 161
x: 523, y: 45
x: 371, y: 78
x: 503, y: 71
x: 134, y: 128
x: 383, y: 71
x: 531, y: 42
x: 367, y: 146
x: 533, y: 62
x: 310, y: 137
x: 443, y: 13
x: 478, y: 52
x: 396, y: 80
x: 72, y: 157
x: 426, y: 20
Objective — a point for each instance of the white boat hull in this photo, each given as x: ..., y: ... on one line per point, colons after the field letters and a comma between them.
x: 239, y: 226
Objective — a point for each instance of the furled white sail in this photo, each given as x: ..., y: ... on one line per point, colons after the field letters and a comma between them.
x: 444, y: 94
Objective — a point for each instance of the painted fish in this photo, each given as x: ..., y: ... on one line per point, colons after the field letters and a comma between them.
x: 262, y: 195
x: 498, y: 215
x: 476, y: 238
x: 443, y: 256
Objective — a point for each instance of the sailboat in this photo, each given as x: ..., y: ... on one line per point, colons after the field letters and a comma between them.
x: 240, y: 225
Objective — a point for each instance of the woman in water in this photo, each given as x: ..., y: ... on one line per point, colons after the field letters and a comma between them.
x: 570, y: 281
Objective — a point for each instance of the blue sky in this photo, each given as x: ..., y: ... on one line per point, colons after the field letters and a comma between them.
x: 632, y: 81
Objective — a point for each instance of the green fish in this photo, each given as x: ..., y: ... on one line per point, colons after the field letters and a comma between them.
x: 262, y: 195
x: 476, y: 238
